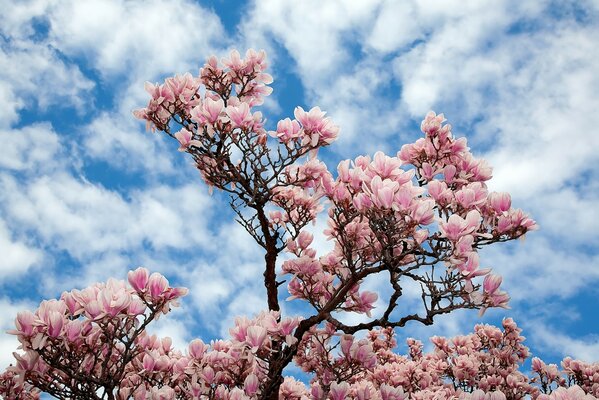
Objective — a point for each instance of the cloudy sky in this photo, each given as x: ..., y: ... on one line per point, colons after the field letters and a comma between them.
x: 87, y: 194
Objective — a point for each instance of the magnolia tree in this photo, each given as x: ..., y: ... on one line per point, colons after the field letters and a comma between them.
x: 416, y: 219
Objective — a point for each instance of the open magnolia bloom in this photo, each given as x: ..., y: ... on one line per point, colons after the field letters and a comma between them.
x: 417, y: 218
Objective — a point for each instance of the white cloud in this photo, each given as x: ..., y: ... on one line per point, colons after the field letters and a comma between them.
x: 88, y: 220
x: 212, y: 287
x: 31, y: 148
x: 17, y: 256
x: 352, y: 101
x: 150, y: 37
x: 541, y: 113
x: 569, y: 214
x: 467, y: 61
x: 19, y: 21
x: 581, y: 348
x: 229, y: 279
x: 118, y: 139
x: 396, y: 25
x: 124, y: 42
x: 34, y: 74
x: 313, y: 32
x: 539, y: 268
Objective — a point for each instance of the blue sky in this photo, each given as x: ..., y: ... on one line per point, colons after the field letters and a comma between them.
x: 87, y: 194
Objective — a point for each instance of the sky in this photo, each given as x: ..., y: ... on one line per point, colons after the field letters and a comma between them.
x: 87, y: 194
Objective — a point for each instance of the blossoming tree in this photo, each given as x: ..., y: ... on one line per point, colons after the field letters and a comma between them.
x: 416, y: 219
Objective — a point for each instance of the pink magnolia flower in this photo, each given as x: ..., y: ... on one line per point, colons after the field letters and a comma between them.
x: 339, y: 391
x: 499, y: 299
x: 55, y: 322
x: 159, y: 93
x: 163, y: 393
x: 24, y: 323
x: 312, y: 120
x: 157, y: 285
x: 385, y: 166
x: 382, y: 192
x: 499, y: 202
x: 185, y: 139
x: 571, y: 393
x: 304, y: 239
x: 240, y: 116
x: 138, y: 279
x: 114, y: 298
x: 449, y: 173
x: 432, y: 123
x: 469, y: 268
x: 136, y: 307
x: 362, y: 202
x: 317, y: 128
x: 365, y: 302
x: 71, y: 300
x: 389, y: 392
x: 422, y: 212
x: 421, y: 235
x: 345, y: 343
x: 148, y: 362
x: 491, y: 283
x: 456, y: 226
x: 256, y: 335
x: 234, y: 62
x: 471, y: 196
x: 251, y: 384
x: 73, y: 329
x: 287, y: 130
x: 429, y: 172
x: 363, y: 353
x: 211, y: 110
x: 438, y: 190
x: 93, y: 309
x: 197, y: 349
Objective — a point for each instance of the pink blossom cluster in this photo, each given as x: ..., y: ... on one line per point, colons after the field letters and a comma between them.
x: 298, y: 196
x: 582, y: 376
x: 12, y: 386
x: 317, y: 280
x: 439, y: 153
x: 483, y: 365
x: 90, y: 331
x: 247, y: 75
x: 224, y: 107
x: 176, y: 94
x: 296, y: 207
x: 417, y: 218
x: 310, y: 128
x: 222, y: 111
x: 224, y: 369
x: 97, y: 335
x: 394, y: 210
x: 111, y: 352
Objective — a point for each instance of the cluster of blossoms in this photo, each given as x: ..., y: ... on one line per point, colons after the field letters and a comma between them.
x: 112, y: 353
x: 12, y: 386
x: 225, y: 108
x: 430, y: 203
x: 419, y: 218
x: 89, y: 333
x: 98, y: 337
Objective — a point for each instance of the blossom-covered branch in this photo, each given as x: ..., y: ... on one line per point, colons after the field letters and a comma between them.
x: 418, y: 218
